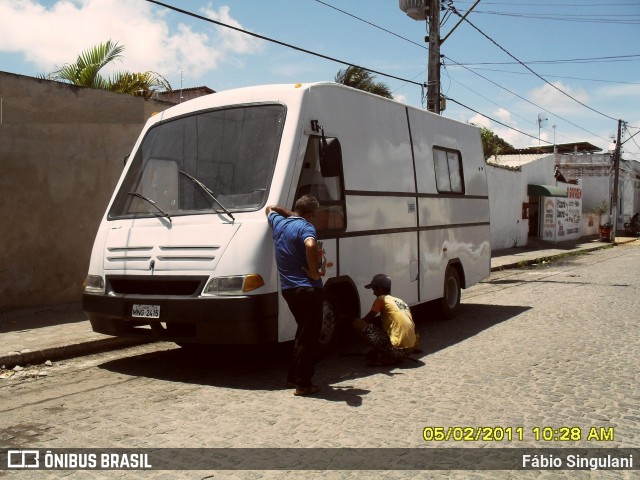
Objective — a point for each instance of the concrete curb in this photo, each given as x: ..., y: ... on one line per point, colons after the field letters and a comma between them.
x: 9, y: 360
x: 531, y: 261
x: 542, y: 258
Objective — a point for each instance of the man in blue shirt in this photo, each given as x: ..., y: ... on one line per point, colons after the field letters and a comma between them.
x: 298, y: 263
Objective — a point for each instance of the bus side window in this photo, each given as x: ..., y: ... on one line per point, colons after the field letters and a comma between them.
x: 448, y: 167
x: 328, y: 190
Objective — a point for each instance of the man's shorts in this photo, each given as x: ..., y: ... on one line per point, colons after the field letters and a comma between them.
x: 380, y: 341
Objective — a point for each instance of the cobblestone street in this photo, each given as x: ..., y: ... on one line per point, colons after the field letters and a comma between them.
x: 552, y: 345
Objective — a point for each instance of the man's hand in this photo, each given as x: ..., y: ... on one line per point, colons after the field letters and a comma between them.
x: 279, y: 210
x: 314, y: 275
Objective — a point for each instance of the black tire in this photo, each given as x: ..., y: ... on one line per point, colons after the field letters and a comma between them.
x: 329, y: 331
x: 450, y: 301
x: 334, y: 331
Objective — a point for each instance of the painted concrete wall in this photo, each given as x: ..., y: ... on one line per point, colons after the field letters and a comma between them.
x: 61, y: 153
x: 505, y: 208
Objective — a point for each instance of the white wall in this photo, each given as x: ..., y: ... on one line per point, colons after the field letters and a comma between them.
x: 508, y: 190
x: 595, y: 190
x: 505, y: 207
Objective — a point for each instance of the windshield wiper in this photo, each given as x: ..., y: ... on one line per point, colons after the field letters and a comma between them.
x: 155, y: 205
x: 208, y: 190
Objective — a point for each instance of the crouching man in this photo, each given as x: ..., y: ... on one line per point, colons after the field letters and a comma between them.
x: 396, y: 336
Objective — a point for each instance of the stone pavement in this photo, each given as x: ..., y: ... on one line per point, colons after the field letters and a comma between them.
x: 52, y: 333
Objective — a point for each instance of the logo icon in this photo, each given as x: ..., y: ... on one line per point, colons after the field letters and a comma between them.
x: 23, y: 459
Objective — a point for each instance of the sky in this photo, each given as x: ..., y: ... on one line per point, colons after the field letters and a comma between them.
x: 581, y: 71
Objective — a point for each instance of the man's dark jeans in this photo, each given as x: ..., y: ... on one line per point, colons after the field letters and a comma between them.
x: 306, y: 305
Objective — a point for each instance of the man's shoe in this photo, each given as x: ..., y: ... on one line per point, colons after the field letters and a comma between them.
x: 310, y: 390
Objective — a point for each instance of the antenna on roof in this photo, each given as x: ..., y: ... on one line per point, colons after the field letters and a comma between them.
x: 541, y: 119
x: 181, y: 72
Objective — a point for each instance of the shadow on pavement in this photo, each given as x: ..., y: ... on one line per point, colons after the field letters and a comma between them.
x: 438, y: 333
x: 264, y: 367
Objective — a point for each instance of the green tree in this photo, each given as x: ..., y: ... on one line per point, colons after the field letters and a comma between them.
x: 492, y: 144
x: 85, y: 72
x: 361, y: 79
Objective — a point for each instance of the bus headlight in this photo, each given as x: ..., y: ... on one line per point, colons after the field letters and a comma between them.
x: 235, y: 285
x: 94, y: 284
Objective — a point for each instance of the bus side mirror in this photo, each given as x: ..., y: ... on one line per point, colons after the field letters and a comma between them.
x: 329, y: 152
x: 330, y: 157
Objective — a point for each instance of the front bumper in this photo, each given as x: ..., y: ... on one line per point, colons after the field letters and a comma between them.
x: 211, y: 320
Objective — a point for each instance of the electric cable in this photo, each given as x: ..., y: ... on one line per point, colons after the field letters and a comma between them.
x: 371, y: 24
x: 578, y: 18
x: 497, y: 121
x: 582, y: 79
x: 343, y: 62
x: 518, y: 62
x: 631, y: 3
x: 529, y: 101
x: 528, y: 68
x: 284, y: 44
x: 608, y: 59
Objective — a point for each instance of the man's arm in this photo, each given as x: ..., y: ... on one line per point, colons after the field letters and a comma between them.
x: 376, y: 309
x: 370, y: 316
x: 279, y: 210
x: 360, y: 323
x: 311, y: 250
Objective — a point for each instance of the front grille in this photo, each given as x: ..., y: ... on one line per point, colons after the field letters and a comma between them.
x: 173, y: 286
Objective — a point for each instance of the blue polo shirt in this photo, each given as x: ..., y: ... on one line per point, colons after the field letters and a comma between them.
x: 289, y: 234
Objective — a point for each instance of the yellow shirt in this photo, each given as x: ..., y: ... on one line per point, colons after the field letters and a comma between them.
x: 396, y: 320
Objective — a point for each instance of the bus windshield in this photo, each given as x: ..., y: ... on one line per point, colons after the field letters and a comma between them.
x: 212, y: 161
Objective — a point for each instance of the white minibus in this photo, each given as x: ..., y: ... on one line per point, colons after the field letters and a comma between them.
x: 184, y: 252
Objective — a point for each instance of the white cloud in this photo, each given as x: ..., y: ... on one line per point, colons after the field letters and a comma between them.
x: 232, y: 40
x: 621, y: 91
x: 55, y: 35
x: 480, y: 120
x: 503, y: 115
x: 553, y: 99
x: 400, y: 98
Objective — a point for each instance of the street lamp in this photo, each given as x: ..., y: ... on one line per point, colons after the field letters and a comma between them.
x: 416, y: 9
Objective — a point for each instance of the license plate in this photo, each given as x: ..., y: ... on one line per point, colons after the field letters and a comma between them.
x: 146, y: 311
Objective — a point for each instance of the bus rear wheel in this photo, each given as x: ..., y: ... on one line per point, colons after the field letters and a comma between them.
x: 450, y: 301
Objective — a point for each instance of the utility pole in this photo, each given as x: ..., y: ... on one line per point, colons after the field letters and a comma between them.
x: 433, y: 78
x: 616, y: 175
x: 429, y: 10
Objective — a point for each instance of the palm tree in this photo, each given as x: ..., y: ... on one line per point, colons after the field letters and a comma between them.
x: 85, y: 72
x: 361, y: 79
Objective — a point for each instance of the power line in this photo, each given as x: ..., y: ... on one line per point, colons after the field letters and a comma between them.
x: 496, y: 121
x: 504, y: 108
x: 563, y: 18
x: 517, y: 61
x: 528, y: 101
x: 284, y: 44
x: 525, y: 66
x: 371, y: 24
x: 608, y: 59
x: 422, y: 46
x: 342, y: 62
x: 556, y: 76
x: 632, y: 3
